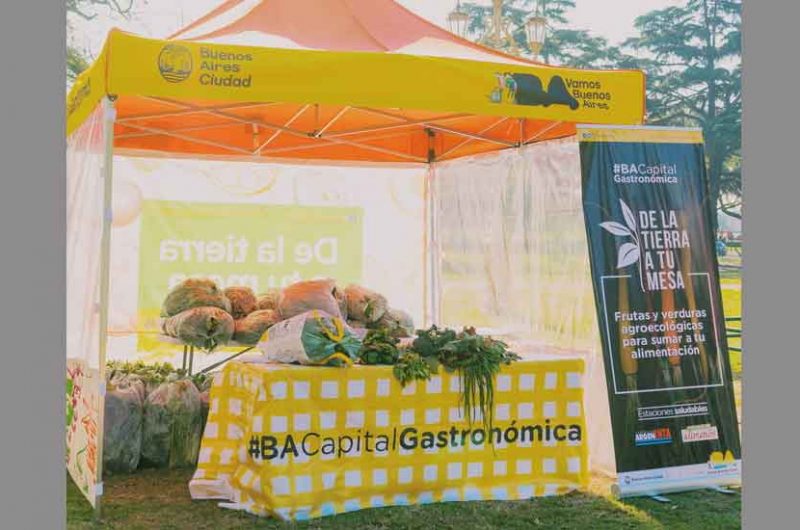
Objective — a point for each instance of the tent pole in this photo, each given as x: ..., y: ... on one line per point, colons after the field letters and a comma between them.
x: 109, y: 118
x: 431, y: 237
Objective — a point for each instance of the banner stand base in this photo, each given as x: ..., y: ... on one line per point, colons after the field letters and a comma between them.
x: 723, y: 490
x: 660, y: 498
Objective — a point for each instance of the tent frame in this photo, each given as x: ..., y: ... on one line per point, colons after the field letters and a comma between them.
x: 432, y: 307
x: 338, y: 137
x: 109, y: 117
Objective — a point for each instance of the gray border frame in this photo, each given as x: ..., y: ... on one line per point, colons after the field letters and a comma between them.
x: 771, y: 362
x: 33, y: 219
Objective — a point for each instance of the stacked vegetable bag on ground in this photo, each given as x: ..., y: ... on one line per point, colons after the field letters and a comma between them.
x: 154, y: 417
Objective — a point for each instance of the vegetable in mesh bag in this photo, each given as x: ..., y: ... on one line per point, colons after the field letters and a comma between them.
x: 397, y: 323
x: 364, y: 305
x: 269, y: 300
x: 122, y: 381
x: 192, y: 293
x: 172, y: 425
x: 201, y: 327
x: 301, y: 297
x: 122, y: 427
x: 314, y: 338
x: 243, y: 301
x: 251, y: 328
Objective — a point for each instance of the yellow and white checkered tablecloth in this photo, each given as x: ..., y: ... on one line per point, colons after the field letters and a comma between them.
x: 302, y: 442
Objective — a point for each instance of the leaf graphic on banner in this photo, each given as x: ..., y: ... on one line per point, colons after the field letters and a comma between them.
x: 616, y: 228
x: 628, y: 253
x: 630, y: 219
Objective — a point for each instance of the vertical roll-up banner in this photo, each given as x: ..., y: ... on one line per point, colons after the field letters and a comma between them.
x: 649, y: 224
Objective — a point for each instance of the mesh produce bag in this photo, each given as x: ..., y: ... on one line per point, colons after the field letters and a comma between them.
x: 194, y: 293
x: 305, y: 296
x: 202, y: 327
x: 364, y: 305
x: 172, y: 425
x: 397, y: 323
x: 122, y: 428
x: 251, y: 328
x: 313, y: 338
x: 269, y: 300
x: 243, y: 301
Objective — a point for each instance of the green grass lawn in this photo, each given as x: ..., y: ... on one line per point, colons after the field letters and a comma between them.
x: 732, y: 307
x: 160, y: 499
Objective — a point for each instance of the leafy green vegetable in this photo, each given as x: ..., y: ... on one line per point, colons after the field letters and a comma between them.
x: 410, y: 367
x: 379, y: 347
x: 149, y: 373
x: 430, y: 341
x: 203, y: 381
x: 477, y: 360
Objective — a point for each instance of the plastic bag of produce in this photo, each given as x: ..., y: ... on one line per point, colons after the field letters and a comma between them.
x: 269, y: 300
x: 122, y: 428
x: 251, y: 328
x: 243, y: 301
x: 172, y: 425
x: 201, y: 327
x: 125, y: 381
x: 192, y: 293
x: 314, y: 338
x: 301, y: 297
x: 150, y: 375
x: 364, y: 305
x: 397, y: 323
x: 204, y: 406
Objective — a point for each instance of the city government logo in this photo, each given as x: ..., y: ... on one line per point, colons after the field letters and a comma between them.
x: 175, y: 63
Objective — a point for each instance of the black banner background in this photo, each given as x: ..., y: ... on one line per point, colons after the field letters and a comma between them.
x: 653, y: 385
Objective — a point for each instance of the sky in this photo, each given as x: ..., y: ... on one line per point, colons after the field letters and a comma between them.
x: 612, y: 19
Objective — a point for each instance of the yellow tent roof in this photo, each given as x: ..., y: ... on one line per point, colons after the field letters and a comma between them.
x: 214, y: 98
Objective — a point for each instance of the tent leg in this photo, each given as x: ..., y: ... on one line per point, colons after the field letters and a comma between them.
x: 191, y: 359
x: 183, y: 361
x: 432, y: 252
x: 109, y: 117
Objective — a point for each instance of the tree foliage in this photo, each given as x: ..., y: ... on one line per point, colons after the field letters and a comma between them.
x: 88, y: 9
x: 77, y: 61
x: 564, y: 46
x: 692, y: 55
